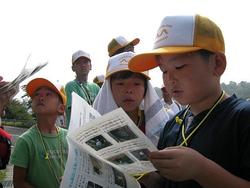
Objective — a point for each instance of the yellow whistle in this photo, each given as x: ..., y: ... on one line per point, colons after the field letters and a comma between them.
x: 46, y: 156
x: 178, y: 120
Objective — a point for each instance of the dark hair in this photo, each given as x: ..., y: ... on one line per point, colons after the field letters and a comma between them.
x: 128, y: 74
x: 205, y: 53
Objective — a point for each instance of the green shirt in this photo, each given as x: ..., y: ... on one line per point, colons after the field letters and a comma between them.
x: 88, y: 91
x: 29, y: 153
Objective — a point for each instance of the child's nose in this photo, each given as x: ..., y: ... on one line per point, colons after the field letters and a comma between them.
x: 129, y: 90
x: 41, y: 95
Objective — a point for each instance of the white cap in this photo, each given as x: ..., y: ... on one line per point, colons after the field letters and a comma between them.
x: 79, y: 54
x: 120, y: 42
x: 119, y: 63
x: 99, y: 79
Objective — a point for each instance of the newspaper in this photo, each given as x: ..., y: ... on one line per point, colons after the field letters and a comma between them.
x: 81, y: 113
x: 105, y: 152
x: 24, y: 74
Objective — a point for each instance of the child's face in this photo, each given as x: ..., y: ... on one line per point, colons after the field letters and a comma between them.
x: 128, y: 93
x: 81, y: 66
x: 46, y: 101
x: 189, y: 78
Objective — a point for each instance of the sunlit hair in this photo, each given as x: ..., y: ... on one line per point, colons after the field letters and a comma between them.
x: 129, y: 74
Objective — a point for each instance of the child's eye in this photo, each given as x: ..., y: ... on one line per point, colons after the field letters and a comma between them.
x: 165, y: 72
x: 48, y: 94
x: 180, y: 66
x: 137, y: 84
x: 119, y: 83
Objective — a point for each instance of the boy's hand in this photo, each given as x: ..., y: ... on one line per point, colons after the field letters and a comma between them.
x: 177, y: 163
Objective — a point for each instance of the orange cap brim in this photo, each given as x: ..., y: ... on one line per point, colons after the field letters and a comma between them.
x: 147, y: 61
x: 37, y: 83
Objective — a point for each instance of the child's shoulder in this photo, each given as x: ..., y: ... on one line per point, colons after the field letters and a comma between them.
x: 238, y: 103
x: 29, y: 131
x: 28, y: 136
x: 70, y: 83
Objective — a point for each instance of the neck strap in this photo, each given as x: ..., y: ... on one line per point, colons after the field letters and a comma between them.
x: 185, y: 139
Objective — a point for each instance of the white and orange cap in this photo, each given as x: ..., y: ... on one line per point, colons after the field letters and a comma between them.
x: 180, y: 34
x: 37, y: 83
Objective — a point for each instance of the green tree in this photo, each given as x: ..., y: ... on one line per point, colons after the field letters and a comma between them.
x: 242, y: 89
x: 18, y: 111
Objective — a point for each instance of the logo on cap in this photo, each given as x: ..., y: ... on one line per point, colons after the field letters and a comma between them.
x: 162, y: 33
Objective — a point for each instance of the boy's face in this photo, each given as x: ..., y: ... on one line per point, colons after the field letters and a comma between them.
x: 128, y: 93
x: 189, y: 77
x: 82, y: 66
x: 46, y: 101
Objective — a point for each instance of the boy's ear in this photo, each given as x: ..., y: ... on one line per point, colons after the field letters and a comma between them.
x: 73, y: 68
x: 61, y: 108
x: 220, y: 64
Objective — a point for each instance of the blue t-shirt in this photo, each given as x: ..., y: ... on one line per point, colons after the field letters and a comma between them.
x: 224, y: 137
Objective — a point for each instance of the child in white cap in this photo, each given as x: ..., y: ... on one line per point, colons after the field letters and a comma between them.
x: 134, y: 93
x: 120, y: 44
x: 99, y: 79
x: 81, y: 65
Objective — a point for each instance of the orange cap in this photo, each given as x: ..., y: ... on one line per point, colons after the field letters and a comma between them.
x: 37, y: 83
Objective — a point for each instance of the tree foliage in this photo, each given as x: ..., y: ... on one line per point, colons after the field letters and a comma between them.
x: 18, y: 110
x: 242, y: 89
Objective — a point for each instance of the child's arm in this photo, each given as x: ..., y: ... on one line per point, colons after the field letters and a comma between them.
x: 183, y: 163
x: 19, y: 178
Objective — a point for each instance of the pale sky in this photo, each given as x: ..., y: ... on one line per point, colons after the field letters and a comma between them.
x: 51, y: 30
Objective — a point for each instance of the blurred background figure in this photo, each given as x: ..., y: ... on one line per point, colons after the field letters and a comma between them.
x: 172, y: 106
x: 120, y: 44
x: 81, y: 65
x: 5, y: 137
x: 5, y: 97
x: 61, y: 119
x: 99, y: 79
